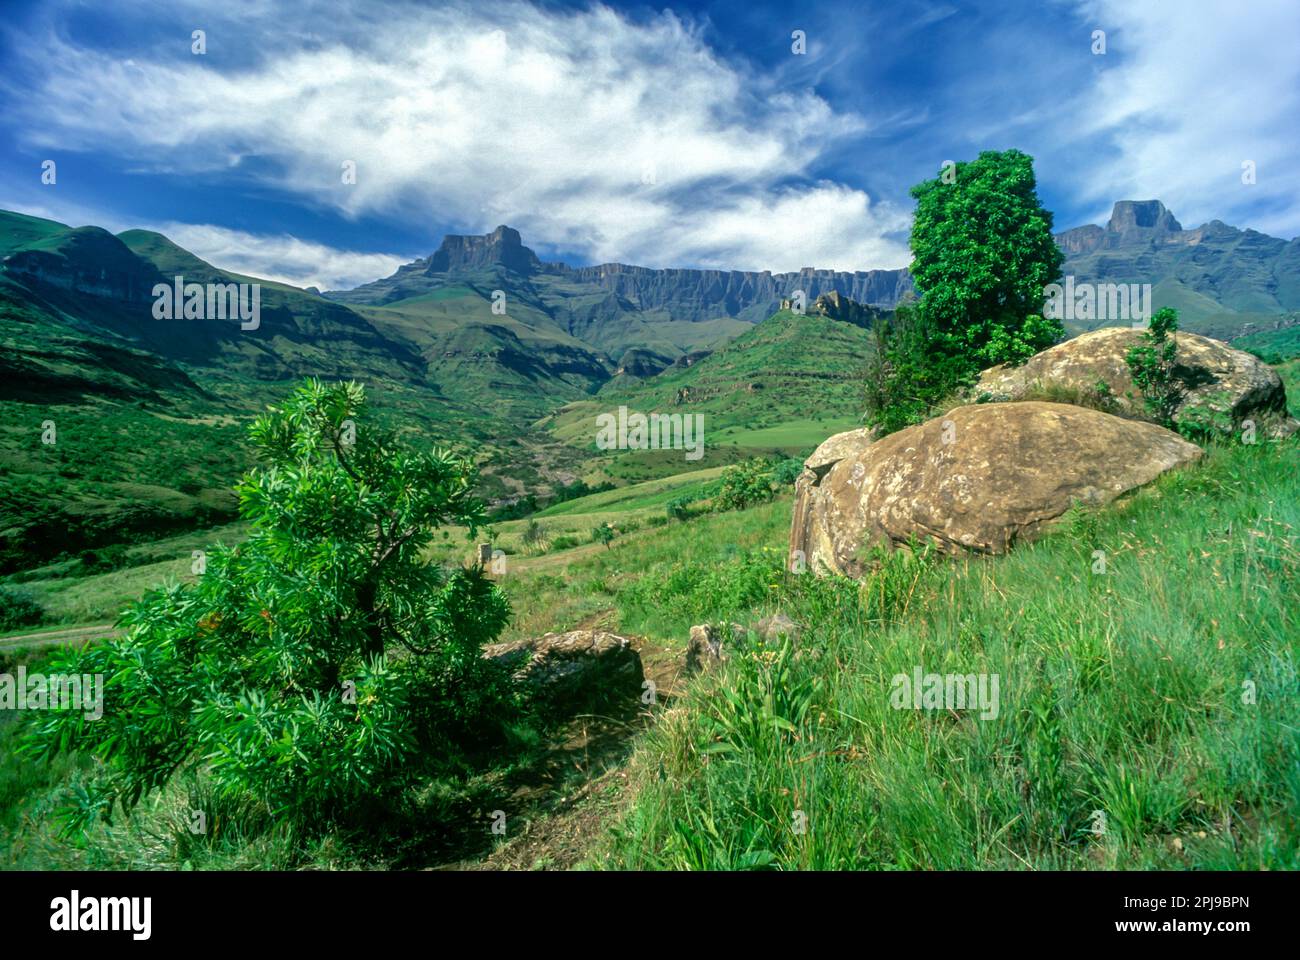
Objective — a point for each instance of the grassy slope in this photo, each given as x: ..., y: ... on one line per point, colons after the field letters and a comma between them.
x: 1274, y: 346
x: 1121, y: 692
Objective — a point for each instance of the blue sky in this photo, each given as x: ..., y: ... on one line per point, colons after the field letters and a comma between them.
x: 690, y: 135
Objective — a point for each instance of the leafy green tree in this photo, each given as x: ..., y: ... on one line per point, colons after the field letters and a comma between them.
x: 320, y: 664
x: 982, y: 253
x: 1151, y: 364
x: 602, y: 534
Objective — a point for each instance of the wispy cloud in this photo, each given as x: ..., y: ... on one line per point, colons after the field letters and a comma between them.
x: 283, y: 258
x: 605, y: 136
x: 1187, y: 92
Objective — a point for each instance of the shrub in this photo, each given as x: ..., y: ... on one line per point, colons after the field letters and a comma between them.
x: 318, y: 666
x: 677, y: 509
x: 743, y: 485
x: 19, y: 609
x: 785, y: 473
x: 1151, y: 363
x: 602, y: 534
x: 104, y: 559
x: 534, y: 536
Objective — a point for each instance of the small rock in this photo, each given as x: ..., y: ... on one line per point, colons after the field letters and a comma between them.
x: 570, y: 670
x: 704, y: 651
x: 778, y: 625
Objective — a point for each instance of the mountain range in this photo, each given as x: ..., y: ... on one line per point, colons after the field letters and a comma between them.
x: 481, y: 344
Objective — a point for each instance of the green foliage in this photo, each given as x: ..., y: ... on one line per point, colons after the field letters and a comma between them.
x: 1151, y: 364
x: 906, y: 378
x: 18, y: 609
x: 604, y: 533
x: 743, y: 485
x: 982, y: 255
x: 1208, y: 418
x: 318, y: 666
x: 111, y: 557
x: 983, y: 252
x: 785, y: 473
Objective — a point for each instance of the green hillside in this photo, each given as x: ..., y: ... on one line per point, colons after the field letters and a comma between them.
x: 1272, y: 346
x: 783, y: 385
x: 149, y: 416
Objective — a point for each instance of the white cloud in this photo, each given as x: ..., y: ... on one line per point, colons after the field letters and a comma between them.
x: 548, y: 121
x: 1186, y: 93
x: 284, y: 258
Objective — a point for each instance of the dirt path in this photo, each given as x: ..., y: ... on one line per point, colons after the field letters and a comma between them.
x: 54, y: 638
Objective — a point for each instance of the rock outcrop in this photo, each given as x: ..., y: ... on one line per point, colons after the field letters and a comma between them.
x: 1214, y: 377
x: 978, y: 479
x: 569, y: 670
x: 830, y: 452
x: 706, y: 649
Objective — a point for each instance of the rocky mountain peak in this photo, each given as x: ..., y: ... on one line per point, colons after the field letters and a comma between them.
x: 1129, y: 216
x: 503, y: 246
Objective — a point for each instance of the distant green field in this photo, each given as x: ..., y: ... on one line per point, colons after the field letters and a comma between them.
x: 790, y: 437
x: 1290, y: 374
x: 639, y: 496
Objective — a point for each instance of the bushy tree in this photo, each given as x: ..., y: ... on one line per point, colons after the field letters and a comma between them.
x: 787, y: 472
x: 982, y: 252
x: 744, y: 484
x: 319, y: 664
x: 602, y: 534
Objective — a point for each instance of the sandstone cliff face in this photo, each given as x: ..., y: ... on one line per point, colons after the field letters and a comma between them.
x: 502, y: 246
x: 705, y: 294
x: 979, y: 479
x: 683, y: 294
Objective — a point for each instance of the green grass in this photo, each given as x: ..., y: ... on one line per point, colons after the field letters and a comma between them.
x: 791, y: 437
x: 1273, y: 346
x: 637, y: 496
x: 1290, y: 374
x: 1120, y: 692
